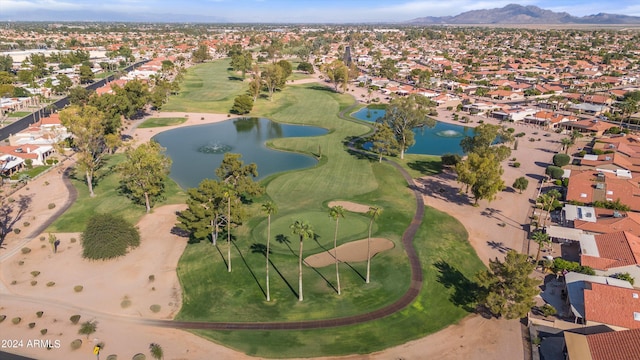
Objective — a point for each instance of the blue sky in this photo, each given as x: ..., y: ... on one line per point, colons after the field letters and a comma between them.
x: 315, y: 10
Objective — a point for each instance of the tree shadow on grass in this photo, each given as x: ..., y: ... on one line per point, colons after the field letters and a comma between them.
x: 235, y: 78
x: 284, y: 239
x: 323, y: 88
x: 426, y: 167
x: 262, y: 249
x: 466, y: 292
x: 248, y: 267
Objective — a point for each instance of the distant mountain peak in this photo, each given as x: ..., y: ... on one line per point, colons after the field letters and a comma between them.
x: 530, y: 14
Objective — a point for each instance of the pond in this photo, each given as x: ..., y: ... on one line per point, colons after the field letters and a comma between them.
x: 197, y: 151
x: 444, y: 138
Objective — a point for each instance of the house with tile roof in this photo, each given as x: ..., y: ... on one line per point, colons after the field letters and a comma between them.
x: 595, y: 127
x: 611, y: 253
x: 615, y: 306
x: 588, y: 186
x: 580, y: 298
x: 602, y: 345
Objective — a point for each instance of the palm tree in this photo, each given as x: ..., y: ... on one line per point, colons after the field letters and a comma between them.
x: 305, y: 231
x: 269, y: 208
x: 156, y: 351
x: 374, y: 212
x: 547, y: 200
x: 541, y: 238
x: 566, y: 143
x: 336, y: 213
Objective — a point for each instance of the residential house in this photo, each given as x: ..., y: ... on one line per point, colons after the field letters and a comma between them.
x: 594, y: 127
x: 596, y: 300
x: 588, y: 186
x: 602, y: 345
x: 611, y: 253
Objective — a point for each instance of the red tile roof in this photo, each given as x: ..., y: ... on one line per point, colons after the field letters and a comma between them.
x: 616, y: 250
x: 615, y: 345
x: 611, y: 305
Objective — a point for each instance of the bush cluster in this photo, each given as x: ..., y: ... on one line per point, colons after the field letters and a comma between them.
x: 554, y: 172
x: 561, y: 160
x: 108, y: 236
x: 561, y: 265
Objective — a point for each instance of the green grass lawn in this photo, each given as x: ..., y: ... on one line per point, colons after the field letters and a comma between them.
x: 160, y: 122
x: 33, y: 172
x: 18, y: 114
x: 448, y: 261
x: 108, y: 199
x: 210, y: 87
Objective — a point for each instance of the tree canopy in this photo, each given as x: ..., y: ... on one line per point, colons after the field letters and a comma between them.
x: 403, y: 115
x: 483, y: 138
x: 508, y: 287
x: 144, y: 173
x: 108, y: 236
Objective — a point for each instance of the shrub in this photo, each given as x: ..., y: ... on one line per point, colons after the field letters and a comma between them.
x: 520, y: 134
x: 73, y: 240
x: 39, y: 314
x: 554, y: 172
x: 42, y: 238
x: 108, y: 236
x: 74, y: 319
x: 516, y: 164
x: 451, y: 159
x: 17, y: 231
x: 16, y: 320
x: 21, y: 262
x: 560, y: 264
x: 548, y: 310
x: 25, y: 250
x: 75, y: 344
x: 125, y: 303
x: 26, y: 224
x: 51, y: 206
x: 35, y: 273
x: 112, y: 357
x: 2, y: 317
x: 139, y: 356
x: 152, y: 278
x: 597, y: 151
x: 88, y: 328
x: 624, y: 276
x: 582, y: 153
x: 43, y: 331
x: 32, y: 325
x: 34, y: 282
x: 561, y: 160
x: 155, y: 308
x: 242, y: 104
x: 78, y: 288
x: 51, y: 283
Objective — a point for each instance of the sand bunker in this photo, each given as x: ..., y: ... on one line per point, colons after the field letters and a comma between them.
x: 350, y: 252
x: 350, y: 206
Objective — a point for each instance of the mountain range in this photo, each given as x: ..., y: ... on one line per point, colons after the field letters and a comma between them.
x: 510, y: 14
x: 518, y: 14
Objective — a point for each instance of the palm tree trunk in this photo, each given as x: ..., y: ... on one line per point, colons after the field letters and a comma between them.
x: 538, y: 254
x: 268, y: 238
x: 229, y: 232
x: 335, y: 254
x: 300, y: 298
x: 369, y: 251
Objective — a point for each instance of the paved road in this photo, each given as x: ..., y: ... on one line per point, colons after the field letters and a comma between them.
x: 401, y: 303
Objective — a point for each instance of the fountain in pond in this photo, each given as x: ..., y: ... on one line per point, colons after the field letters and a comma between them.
x: 214, y: 147
x: 449, y: 133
